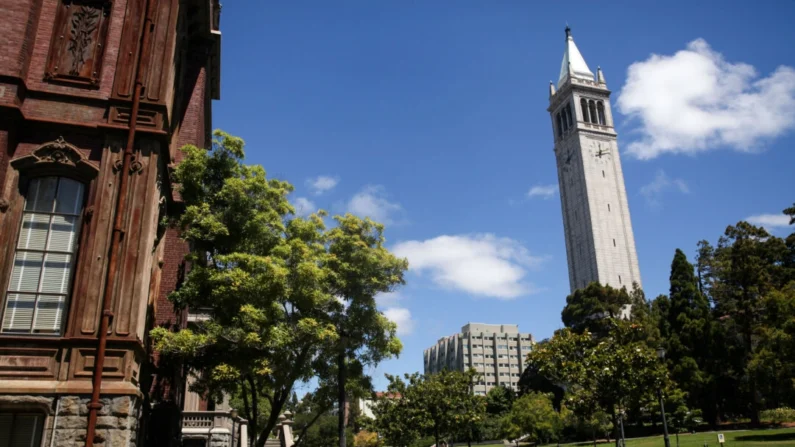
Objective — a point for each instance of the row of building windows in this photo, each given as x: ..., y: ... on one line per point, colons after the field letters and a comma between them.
x: 506, y: 337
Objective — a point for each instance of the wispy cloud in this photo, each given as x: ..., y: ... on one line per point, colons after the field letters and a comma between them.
x: 372, y: 202
x: 481, y: 264
x: 654, y: 190
x: 543, y: 191
x: 402, y: 317
x: 322, y: 183
x: 304, y: 206
x: 695, y: 100
x: 770, y: 222
x: 388, y: 299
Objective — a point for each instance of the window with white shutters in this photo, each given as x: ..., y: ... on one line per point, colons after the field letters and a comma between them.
x: 20, y: 429
x: 41, y: 276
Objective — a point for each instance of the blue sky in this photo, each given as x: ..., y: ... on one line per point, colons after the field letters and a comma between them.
x: 431, y: 116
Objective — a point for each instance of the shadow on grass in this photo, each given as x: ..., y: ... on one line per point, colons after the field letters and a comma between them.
x: 769, y: 438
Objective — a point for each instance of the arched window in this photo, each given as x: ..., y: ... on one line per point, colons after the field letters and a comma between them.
x: 41, y: 275
x: 592, y: 109
x: 41, y: 265
x: 600, y: 108
x: 559, y: 125
x: 584, y: 107
x: 568, y: 115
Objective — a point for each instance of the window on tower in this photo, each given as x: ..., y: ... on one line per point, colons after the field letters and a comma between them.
x: 559, y: 125
x: 584, y: 108
x: 600, y: 109
x: 592, y: 110
x: 568, y: 115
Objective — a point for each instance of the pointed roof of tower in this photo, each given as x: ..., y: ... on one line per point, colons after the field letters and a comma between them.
x: 573, y: 62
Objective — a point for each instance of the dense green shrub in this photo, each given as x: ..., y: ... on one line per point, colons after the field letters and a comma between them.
x: 778, y: 415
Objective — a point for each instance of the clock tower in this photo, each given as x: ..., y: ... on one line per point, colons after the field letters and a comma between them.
x: 600, y: 245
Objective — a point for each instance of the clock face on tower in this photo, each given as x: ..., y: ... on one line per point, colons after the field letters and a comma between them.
x: 601, y: 152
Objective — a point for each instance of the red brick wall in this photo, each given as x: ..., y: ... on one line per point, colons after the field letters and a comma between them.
x: 174, y: 252
x: 15, y: 18
x: 4, y: 156
x: 192, y: 129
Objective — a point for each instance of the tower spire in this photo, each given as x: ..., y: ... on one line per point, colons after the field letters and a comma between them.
x: 572, y: 57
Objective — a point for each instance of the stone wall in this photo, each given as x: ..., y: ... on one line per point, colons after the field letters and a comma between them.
x: 117, y: 421
x: 220, y: 440
x: 117, y: 424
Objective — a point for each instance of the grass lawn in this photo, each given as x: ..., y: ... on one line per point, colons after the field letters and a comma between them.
x: 742, y: 438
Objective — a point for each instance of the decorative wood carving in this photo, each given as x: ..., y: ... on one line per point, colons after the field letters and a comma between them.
x: 78, y: 42
x: 57, y: 157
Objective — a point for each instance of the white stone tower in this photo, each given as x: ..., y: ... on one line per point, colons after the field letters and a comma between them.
x: 600, y: 245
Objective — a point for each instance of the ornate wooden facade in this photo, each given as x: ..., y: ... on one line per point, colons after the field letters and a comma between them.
x: 67, y: 69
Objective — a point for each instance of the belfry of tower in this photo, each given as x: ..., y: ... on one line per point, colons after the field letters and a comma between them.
x: 600, y: 245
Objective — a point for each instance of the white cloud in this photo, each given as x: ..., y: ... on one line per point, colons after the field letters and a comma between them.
x: 654, y: 190
x: 695, y: 100
x: 402, y: 317
x: 770, y: 222
x: 388, y: 299
x: 543, y: 191
x: 478, y: 264
x: 322, y: 183
x: 304, y: 206
x: 371, y: 202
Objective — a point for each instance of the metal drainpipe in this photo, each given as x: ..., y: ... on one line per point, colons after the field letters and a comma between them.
x: 118, y: 226
x: 55, y: 419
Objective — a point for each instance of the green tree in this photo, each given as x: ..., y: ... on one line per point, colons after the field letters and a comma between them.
x: 533, y: 416
x: 772, y: 360
x: 447, y: 403
x: 612, y: 373
x: 688, y: 345
x: 397, y: 419
x: 746, y: 266
x: 591, y: 307
x: 362, y: 268
x: 270, y: 282
x: 499, y: 400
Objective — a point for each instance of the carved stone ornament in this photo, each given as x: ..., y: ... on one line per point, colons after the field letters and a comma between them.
x: 57, y: 157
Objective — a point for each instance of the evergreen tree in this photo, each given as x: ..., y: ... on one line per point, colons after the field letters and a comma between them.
x: 688, y: 339
x: 589, y: 309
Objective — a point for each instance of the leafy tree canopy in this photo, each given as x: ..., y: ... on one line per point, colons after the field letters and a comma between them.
x: 273, y: 285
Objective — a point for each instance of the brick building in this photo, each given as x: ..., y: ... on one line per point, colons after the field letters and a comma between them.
x: 83, y: 191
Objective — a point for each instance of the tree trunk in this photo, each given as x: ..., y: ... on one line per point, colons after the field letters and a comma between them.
x: 435, y: 435
x: 341, y: 398
x: 615, y: 425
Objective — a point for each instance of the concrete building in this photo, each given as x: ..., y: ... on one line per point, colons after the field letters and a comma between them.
x: 496, y: 351
x: 600, y: 245
x: 96, y: 98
